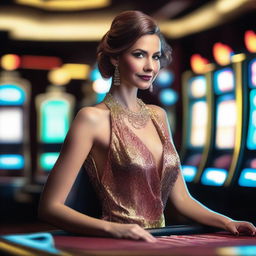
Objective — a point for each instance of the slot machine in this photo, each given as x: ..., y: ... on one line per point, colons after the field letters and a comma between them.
x: 244, y: 171
x: 55, y: 112
x: 195, y: 114
x: 14, y: 129
x: 225, y: 104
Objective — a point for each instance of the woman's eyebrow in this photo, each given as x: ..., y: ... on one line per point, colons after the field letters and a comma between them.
x: 138, y: 49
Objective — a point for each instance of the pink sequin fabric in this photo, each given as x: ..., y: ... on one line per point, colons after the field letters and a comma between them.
x: 131, y: 188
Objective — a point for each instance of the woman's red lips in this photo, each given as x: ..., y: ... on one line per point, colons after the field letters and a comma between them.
x: 146, y: 78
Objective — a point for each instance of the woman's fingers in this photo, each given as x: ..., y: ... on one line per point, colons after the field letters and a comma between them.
x: 247, y: 227
x: 142, y: 234
x: 237, y: 227
x: 131, y: 231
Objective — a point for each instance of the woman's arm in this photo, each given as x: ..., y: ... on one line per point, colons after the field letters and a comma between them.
x: 191, y: 208
x: 52, y: 209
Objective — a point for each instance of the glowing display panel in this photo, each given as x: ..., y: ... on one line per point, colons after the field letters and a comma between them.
x: 40, y: 241
x: 226, y: 122
x: 197, y: 86
x: 214, y: 177
x: 47, y: 160
x: 251, y: 138
x: 11, y: 95
x: 11, y: 162
x: 55, y: 120
x: 189, y: 172
x: 247, y: 178
x: 168, y: 97
x: 11, y: 125
x: 252, y: 73
x: 224, y: 81
x: 243, y: 250
x: 198, y: 124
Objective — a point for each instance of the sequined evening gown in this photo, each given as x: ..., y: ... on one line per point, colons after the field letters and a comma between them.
x: 131, y: 188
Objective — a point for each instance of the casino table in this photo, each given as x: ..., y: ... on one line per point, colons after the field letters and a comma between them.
x: 172, y: 240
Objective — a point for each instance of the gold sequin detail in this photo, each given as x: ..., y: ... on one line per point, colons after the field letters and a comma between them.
x: 131, y: 188
x: 137, y: 119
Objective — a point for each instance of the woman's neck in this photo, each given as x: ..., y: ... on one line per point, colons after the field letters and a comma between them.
x: 126, y: 97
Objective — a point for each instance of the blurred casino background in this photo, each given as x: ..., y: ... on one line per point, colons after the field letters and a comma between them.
x: 48, y: 71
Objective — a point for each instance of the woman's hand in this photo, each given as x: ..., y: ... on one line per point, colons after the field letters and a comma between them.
x: 237, y: 227
x: 130, y: 231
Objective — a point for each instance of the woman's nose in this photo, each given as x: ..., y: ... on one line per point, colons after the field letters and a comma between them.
x: 148, y: 67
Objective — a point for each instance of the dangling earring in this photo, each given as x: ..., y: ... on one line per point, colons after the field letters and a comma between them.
x: 116, y: 77
x: 151, y: 88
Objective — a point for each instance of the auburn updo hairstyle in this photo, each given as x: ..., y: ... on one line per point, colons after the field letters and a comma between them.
x: 125, y: 30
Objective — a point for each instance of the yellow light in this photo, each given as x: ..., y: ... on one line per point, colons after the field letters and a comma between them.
x: 10, y: 61
x: 209, y: 15
x: 250, y: 40
x: 222, y: 53
x: 65, y: 5
x: 84, y: 27
x: 227, y: 6
x: 59, y: 76
x: 77, y: 71
x: 199, y: 64
x: 238, y: 57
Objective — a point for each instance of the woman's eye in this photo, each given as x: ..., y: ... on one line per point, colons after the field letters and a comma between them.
x: 157, y: 57
x: 138, y: 54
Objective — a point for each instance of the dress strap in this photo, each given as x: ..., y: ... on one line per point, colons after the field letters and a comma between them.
x: 159, y: 123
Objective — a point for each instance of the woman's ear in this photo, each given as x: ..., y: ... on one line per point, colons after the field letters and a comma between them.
x: 114, y: 61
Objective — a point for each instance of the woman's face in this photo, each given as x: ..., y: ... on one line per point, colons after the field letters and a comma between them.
x: 139, y: 65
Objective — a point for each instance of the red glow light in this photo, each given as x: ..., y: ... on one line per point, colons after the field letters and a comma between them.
x: 40, y: 62
x: 250, y: 40
x: 222, y: 54
x: 198, y: 63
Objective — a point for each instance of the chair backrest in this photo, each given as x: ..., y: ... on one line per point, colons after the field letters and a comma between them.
x: 82, y: 196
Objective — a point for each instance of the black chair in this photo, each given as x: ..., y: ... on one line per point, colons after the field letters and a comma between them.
x: 82, y: 196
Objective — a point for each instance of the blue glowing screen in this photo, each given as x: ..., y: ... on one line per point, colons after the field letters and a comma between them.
x: 223, y: 80
x: 251, y: 138
x: 214, y: 176
x: 168, y: 97
x: 11, y: 162
x: 164, y: 78
x: 247, y: 178
x: 39, y: 241
x: 189, y: 172
x: 12, y: 95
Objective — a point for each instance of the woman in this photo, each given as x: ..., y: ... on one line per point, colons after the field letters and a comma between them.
x: 126, y: 146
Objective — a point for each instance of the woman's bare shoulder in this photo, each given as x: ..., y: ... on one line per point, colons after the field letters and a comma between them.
x: 94, y: 114
x: 158, y: 110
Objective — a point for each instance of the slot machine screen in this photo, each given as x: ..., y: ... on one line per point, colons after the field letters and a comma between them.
x: 224, y: 81
x: 251, y: 138
x: 252, y: 73
x: 55, y: 121
x: 226, y: 122
x: 47, y: 160
x: 248, y: 174
x: 198, y: 125
x: 11, y: 125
